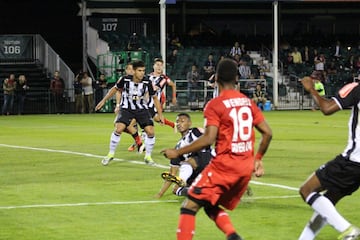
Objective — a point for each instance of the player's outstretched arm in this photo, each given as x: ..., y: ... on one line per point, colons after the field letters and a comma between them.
x: 207, y: 139
x: 327, y: 106
x: 108, y: 95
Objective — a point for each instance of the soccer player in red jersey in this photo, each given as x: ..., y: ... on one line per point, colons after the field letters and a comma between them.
x: 230, y: 119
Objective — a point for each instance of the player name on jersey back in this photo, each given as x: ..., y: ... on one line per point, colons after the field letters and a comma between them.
x: 236, y: 102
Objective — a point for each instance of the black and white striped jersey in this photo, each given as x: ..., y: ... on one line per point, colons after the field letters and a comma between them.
x: 135, y: 95
x: 349, y: 96
x: 159, y: 83
x: 192, y: 135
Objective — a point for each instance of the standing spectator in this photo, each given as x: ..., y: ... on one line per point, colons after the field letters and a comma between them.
x: 88, y: 103
x: 320, y: 63
x: 21, y: 88
x: 78, y: 94
x: 297, y: 58
x: 57, y: 87
x: 193, y: 83
x: 244, y: 70
x: 100, y: 88
x: 339, y: 177
x: 225, y: 179
x: 133, y: 44
x: 209, y: 66
x: 9, y: 90
x: 235, y: 50
x: 337, y: 49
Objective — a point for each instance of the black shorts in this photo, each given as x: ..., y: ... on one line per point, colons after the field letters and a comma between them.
x: 152, y: 112
x: 202, y: 159
x: 142, y: 117
x: 340, y: 175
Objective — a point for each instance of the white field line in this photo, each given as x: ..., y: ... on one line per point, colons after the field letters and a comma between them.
x: 130, y: 161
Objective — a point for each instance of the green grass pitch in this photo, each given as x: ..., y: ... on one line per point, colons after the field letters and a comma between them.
x: 52, y: 185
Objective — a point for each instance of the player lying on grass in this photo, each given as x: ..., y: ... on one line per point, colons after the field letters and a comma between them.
x: 188, y: 165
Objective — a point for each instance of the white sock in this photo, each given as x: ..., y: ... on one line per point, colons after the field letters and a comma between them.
x: 149, y: 145
x: 313, y: 227
x: 327, y: 210
x: 114, y: 142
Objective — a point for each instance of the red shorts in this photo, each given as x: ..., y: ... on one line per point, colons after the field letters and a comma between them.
x: 219, y: 187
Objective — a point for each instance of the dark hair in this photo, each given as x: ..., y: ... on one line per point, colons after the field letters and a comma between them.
x: 226, y: 71
x: 138, y: 63
x: 158, y: 60
x: 184, y: 115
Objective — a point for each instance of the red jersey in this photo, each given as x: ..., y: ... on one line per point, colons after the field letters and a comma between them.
x: 235, y: 115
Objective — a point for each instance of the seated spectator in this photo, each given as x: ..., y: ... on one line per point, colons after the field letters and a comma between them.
x: 175, y: 43
x: 235, y: 50
x: 259, y: 96
x: 209, y: 66
x: 172, y: 58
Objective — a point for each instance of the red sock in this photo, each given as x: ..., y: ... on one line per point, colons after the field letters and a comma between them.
x: 223, y: 222
x: 169, y: 123
x: 137, y: 138
x: 186, y: 227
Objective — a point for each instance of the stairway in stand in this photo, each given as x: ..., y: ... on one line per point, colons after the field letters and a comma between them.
x: 37, y: 98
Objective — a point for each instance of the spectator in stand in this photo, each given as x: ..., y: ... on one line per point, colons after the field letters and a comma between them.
x: 193, y: 78
x: 297, y: 58
x: 88, y: 103
x: 209, y: 66
x: 100, y: 88
x: 320, y: 62
x: 133, y: 44
x: 237, y: 59
x: 175, y: 43
x: 318, y: 86
x: 337, y: 49
x: 244, y: 70
x: 259, y: 96
x: 78, y: 93
x: 57, y: 88
x: 235, y: 50
x: 331, y: 69
x: 307, y: 59
x: 349, y: 65
x: 263, y: 68
x: 243, y: 50
x: 9, y: 86
x: 21, y: 88
x: 172, y: 58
